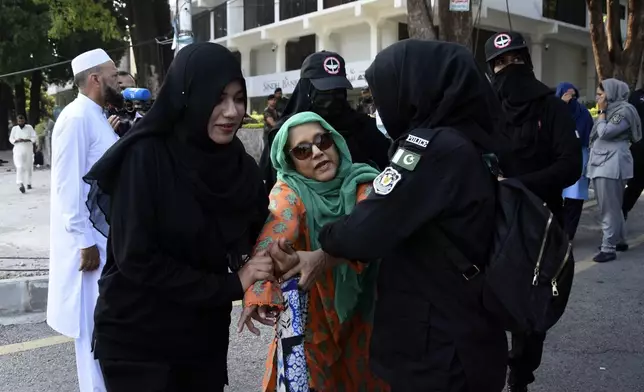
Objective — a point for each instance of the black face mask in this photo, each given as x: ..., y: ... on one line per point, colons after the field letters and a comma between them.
x: 329, y: 103
x: 509, y: 80
x: 21, y: 125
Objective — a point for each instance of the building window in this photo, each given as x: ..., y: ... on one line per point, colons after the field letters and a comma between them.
x: 297, y: 51
x: 292, y: 8
x: 403, y: 31
x: 258, y: 13
x: 622, y: 10
x: 221, y: 20
x: 335, y: 3
x: 201, y: 27
x: 568, y: 11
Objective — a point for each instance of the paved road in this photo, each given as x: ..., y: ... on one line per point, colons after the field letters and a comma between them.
x: 598, y: 346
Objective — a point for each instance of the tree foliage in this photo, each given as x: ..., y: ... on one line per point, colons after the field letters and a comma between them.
x: 41, y: 32
x: 73, y: 16
x: 613, y: 56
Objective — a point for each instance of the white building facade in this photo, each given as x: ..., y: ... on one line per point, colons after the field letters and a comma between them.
x: 272, y: 37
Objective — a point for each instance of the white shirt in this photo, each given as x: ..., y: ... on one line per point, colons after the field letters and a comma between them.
x: 80, y: 137
x: 26, y: 132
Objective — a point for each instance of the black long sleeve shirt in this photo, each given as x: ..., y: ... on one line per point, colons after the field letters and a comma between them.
x: 166, y: 291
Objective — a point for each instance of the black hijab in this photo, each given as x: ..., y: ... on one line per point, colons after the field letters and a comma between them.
x: 223, y: 177
x: 341, y: 116
x: 431, y: 84
x: 519, y: 92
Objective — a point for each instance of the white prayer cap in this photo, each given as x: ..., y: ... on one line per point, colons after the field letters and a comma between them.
x: 88, y: 60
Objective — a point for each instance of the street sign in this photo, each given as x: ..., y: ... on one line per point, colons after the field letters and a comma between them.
x: 459, y: 5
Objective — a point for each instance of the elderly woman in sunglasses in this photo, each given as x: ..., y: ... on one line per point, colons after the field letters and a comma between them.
x: 322, y: 308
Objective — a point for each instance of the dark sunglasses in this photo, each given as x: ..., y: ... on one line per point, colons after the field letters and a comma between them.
x: 303, y: 151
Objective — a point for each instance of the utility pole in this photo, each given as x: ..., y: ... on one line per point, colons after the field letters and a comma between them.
x: 182, y: 25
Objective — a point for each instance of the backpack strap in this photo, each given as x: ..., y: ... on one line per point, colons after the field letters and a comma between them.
x: 464, y: 266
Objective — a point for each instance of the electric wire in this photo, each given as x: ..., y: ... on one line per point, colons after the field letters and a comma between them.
x: 507, y: 11
x: 148, y: 42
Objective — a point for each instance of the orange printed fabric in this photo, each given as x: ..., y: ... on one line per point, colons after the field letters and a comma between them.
x: 337, y: 354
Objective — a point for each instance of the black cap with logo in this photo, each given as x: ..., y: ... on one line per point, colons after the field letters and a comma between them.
x: 503, y: 42
x: 326, y: 70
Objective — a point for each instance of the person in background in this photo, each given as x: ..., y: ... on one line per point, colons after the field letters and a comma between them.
x: 322, y: 89
x: 635, y: 185
x: 23, y: 136
x: 318, y: 183
x: 575, y: 195
x: 49, y: 128
x: 80, y: 137
x: 610, y: 164
x: 280, y: 102
x: 540, y: 148
x: 270, y: 117
x: 184, y: 203
x: 126, y: 80
x: 365, y: 104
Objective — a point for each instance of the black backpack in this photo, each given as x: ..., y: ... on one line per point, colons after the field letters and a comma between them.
x: 529, y: 274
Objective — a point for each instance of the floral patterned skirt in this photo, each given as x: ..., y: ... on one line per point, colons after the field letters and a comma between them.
x: 292, y: 371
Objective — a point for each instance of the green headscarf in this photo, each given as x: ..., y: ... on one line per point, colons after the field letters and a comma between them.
x: 326, y: 202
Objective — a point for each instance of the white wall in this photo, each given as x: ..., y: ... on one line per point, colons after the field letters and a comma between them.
x: 389, y: 33
x: 352, y: 43
x: 528, y: 8
x: 235, y: 17
x: 565, y: 63
x: 263, y: 60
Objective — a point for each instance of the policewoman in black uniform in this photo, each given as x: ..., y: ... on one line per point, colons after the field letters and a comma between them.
x: 540, y: 147
x: 430, y: 330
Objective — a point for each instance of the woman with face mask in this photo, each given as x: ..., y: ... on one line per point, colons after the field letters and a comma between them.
x: 322, y: 89
x: 184, y: 204
x: 540, y: 148
x: 575, y: 195
x: 610, y: 164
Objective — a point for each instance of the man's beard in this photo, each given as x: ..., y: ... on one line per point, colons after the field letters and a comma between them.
x: 112, y: 96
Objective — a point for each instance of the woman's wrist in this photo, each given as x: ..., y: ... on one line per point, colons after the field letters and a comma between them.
x: 331, y: 261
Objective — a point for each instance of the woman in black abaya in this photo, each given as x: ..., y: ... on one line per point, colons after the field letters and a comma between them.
x: 184, y: 203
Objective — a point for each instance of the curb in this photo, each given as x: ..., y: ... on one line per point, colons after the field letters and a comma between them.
x: 23, y: 295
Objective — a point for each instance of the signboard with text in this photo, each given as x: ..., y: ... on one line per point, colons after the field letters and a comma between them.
x: 264, y: 85
x: 459, y: 5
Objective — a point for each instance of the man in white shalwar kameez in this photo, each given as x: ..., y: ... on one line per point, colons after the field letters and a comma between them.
x: 23, y: 138
x: 80, y: 137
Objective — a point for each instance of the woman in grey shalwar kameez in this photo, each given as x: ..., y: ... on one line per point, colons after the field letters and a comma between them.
x: 610, y: 164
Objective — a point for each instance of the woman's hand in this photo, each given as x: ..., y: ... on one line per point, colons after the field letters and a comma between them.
x: 284, y: 256
x: 311, y: 266
x: 260, y: 267
x: 567, y: 96
x: 601, y: 103
x: 263, y: 314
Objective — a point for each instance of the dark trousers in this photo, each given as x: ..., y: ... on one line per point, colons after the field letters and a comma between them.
x: 132, y: 376
x: 634, y: 189
x: 572, y: 210
x: 635, y: 185
x: 525, y: 357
